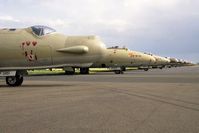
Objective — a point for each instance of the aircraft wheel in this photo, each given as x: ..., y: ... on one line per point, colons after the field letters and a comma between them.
x: 146, y: 69
x: 70, y: 72
x: 119, y: 72
x: 84, y: 70
x: 14, y: 80
x: 123, y: 68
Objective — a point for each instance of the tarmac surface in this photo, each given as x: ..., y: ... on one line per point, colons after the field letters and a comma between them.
x: 157, y: 101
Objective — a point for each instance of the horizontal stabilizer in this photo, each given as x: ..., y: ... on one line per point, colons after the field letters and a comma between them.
x: 75, y: 50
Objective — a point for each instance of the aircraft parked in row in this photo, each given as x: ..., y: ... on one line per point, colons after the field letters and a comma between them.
x: 41, y: 47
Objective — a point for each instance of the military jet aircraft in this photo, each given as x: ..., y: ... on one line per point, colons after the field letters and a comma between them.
x: 161, y: 62
x: 173, y: 62
x: 41, y: 47
x: 119, y: 58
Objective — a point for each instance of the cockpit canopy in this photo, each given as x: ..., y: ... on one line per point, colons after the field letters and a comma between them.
x: 42, y: 30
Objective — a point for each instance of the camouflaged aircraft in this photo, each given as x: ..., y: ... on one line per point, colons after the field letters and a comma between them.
x: 41, y: 47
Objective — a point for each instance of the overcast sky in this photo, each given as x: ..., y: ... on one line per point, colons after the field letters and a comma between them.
x: 164, y: 27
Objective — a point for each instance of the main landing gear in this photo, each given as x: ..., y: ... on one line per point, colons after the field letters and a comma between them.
x: 84, y: 70
x: 118, y: 72
x: 70, y: 72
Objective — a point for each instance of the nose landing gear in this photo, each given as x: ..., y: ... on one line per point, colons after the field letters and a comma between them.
x: 14, y: 80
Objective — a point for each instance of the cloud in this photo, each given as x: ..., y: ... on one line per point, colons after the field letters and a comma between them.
x: 8, y: 18
x: 165, y: 27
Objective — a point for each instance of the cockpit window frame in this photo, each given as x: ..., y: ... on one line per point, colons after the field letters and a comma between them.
x: 39, y: 30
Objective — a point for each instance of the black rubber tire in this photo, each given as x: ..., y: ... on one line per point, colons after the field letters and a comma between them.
x: 70, y: 72
x: 16, y: 80
x: 121, y: 72
x: 123, y: 68
x: 118, y: 72
x: 84, y: 70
